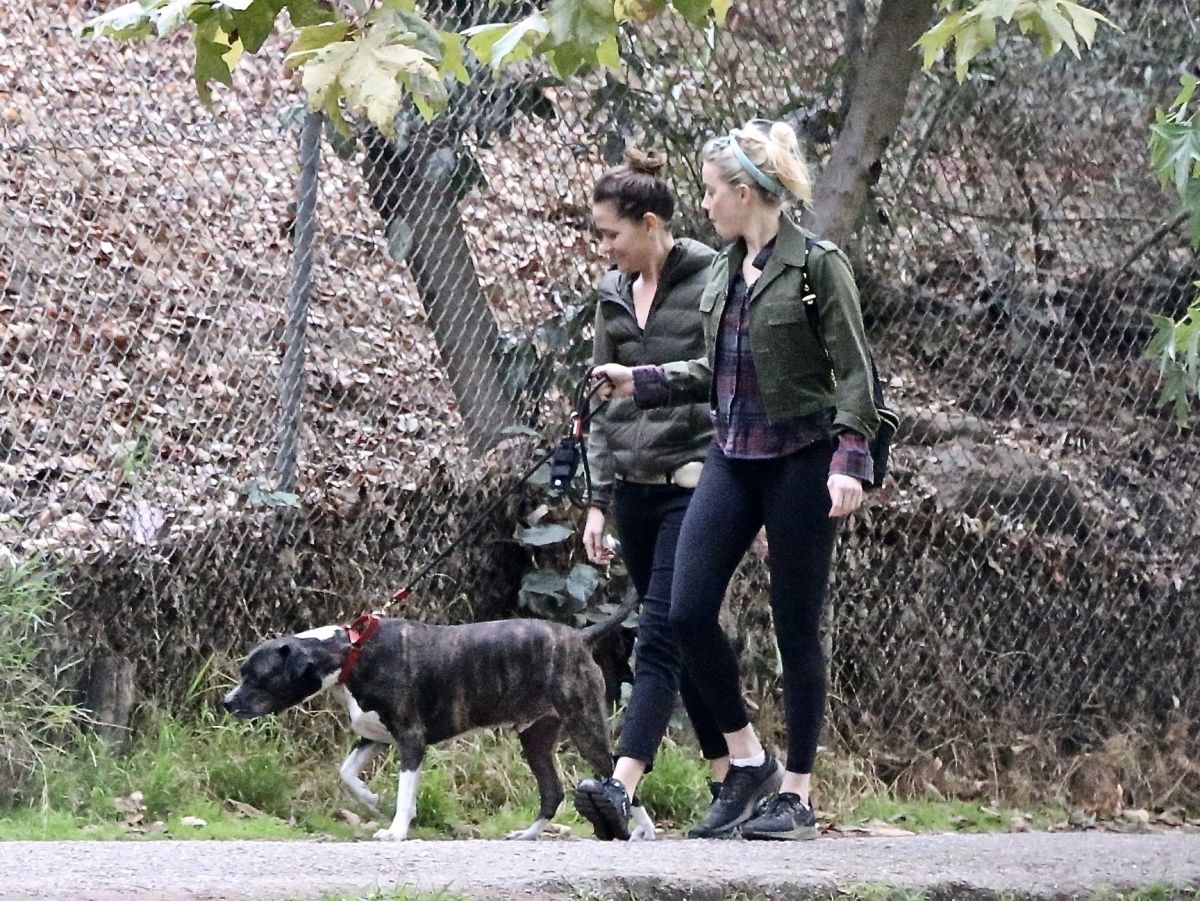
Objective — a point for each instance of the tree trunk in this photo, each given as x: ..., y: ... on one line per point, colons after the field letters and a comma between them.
x: 405, y: 190
x: 877, y: 105
x: 853, y: 30
x: 411, y: 183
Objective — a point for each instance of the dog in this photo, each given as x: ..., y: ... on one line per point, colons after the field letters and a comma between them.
x: 411, y: 685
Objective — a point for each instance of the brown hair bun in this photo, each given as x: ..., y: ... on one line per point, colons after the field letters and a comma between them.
x: 645, y: 162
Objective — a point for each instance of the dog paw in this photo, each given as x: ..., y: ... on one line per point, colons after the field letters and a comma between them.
x: 643, y: 829
x: 387, y: 835
x: 524, y: 835
x: 531, y: 834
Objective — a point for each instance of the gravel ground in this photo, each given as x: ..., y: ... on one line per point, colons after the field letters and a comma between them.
x: 1034, y: 865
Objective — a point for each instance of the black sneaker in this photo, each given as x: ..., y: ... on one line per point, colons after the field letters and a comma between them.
x: 604, y: 804
x: 784, y: 818
x: 743, y: 788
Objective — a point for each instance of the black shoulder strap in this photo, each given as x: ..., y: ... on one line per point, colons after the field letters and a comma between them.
x: 810, y: 298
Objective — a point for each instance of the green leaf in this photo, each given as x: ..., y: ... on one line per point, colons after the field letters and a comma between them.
x: 497, y: 44
x: 312, y: 38
x: 453, y: 61
x: 424, y: 36
x: 937, y: 38
x: 581, y: 23
x: 307, y: 12
x: 1058, y: 29
x: 542, y: 535
x: 254, y: 22
x: 1085, y: 20
x: 972, y: 40
x: 544, y: 581
x: 211, y: 49
x: 694, y: 12
x: 1175, y: 151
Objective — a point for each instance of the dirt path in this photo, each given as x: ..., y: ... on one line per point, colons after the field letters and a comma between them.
x: 1028, y: 865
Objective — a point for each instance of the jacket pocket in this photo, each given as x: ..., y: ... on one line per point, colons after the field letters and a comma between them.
x: 786, y: 314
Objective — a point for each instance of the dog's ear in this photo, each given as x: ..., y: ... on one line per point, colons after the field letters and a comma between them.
x: 296, y: 660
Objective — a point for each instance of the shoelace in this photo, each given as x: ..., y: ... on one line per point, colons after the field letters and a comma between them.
x: 784, y: 804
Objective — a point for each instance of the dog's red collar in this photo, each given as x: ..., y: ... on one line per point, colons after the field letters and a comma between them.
x: 359, y: 633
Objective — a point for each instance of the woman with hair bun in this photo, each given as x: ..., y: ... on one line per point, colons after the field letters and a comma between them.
x: 793, y: 412
x: 644, y: 466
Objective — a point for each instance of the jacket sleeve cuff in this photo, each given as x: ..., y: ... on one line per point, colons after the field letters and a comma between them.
x: 601, y: 498
x: 650, y: 387
x: 847, y: 421
x: 853, y: 458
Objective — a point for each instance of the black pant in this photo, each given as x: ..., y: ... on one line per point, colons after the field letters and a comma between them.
x: 648, y: 520
x: 734, y: 498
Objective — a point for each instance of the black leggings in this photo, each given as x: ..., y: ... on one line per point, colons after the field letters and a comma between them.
x: 648, y: 520
x: 734, y: 498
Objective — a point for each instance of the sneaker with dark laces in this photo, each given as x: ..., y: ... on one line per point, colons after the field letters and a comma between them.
x: 784, y: 818
x: 743, y: 788
x: 605, y: 804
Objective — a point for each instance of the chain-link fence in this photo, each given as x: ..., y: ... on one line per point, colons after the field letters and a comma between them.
x: 213, y: 450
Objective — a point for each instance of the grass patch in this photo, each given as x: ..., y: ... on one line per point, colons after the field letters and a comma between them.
x: 1156, y: 892
x: 935, y: 815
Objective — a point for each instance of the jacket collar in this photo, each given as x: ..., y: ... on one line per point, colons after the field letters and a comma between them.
x: 684, y: 260
x: 790, y: 252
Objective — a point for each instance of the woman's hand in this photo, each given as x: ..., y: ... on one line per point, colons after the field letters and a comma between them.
x: 593, y: 537
x: 846, y: 492
x: 759, y: 545
x: 618, y: 380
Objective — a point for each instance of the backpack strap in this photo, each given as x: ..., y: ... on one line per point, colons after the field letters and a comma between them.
x: 810, y: 295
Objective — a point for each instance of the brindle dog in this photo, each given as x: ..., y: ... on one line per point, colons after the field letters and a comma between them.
x: 414, y: 685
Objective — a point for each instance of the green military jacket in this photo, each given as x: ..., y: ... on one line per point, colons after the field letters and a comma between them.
x: 796, y: 378
x: 624, y: 440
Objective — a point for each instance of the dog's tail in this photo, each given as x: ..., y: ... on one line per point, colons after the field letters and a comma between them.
x: 596, y: 631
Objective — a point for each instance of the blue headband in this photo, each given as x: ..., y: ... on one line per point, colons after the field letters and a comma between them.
x: 768, y: 184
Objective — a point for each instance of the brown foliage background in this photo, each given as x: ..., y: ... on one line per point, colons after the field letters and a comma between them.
x: 1021, y: 594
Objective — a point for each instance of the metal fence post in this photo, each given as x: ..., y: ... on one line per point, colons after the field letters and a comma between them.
x: 292, y: 387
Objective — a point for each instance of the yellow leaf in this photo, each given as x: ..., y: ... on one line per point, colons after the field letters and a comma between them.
x: 235, y: 53
x: 608, y: 54
x: 321, y: 72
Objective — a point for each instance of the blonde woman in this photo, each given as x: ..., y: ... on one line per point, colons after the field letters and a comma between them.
x: 793, y: 412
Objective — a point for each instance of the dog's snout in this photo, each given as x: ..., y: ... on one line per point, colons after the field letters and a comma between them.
x: 227, y: 701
